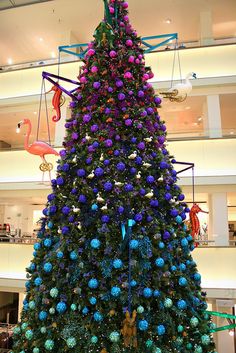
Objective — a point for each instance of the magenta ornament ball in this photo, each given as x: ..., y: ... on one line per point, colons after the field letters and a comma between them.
x: 112, y: 54
x: 128, y: 75
x: 129, y: 43
x: 131, y: 59
x: 94, y: 69
x: 125, y: 5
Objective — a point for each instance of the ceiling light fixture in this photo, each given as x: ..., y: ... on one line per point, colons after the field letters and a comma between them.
x: 41, y: 39
x: 231, y: 132
x: 168, y: 21
x: 9, y: 61
x: 53, y: 55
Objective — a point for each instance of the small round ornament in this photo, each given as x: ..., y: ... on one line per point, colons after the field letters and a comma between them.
x: 194, y: 321
x: 95, y: 243
x: 147, y: 292
x: 93, y: 283
x: 71, y: 342
x: 49, y: 344
x: 140, y: 309
x: 168, y: 303
x: 94, y: 339
x: 36, y: 350
x: 114, y: 336
x: 115, y: 291
x: 205, y: 339
x: 54, y: 292
x: 143, y: 325
x: 61, y: 307
x: 29, y: 334
x: 159, y: 262
x: 117, y: 263
x: 98, y: 316
x: 73, y: 307
x: 161, y: 330
x: 43, y: 329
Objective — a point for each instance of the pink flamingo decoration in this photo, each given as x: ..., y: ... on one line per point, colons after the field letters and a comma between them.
x: 38, y: 148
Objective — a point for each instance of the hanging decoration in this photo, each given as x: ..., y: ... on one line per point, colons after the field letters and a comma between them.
x: 57, y: 101
x: 180, y: 91
x: 194, y: 220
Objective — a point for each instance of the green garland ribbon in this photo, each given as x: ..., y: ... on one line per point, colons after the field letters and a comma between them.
x: 225, y: 316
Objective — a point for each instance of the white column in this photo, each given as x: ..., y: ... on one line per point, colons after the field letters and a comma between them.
x: 60, y: 126
x: 214, y: 116
x: 20, y: 306
x: 218, y: 218
x: 206, y: 33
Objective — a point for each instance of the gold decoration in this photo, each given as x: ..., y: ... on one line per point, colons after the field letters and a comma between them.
x: 112, y: 312
x: 46, y: 167
x: 129, y: 330
x: 104, y: 350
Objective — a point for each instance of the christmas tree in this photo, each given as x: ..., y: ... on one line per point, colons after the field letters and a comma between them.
x: 112, y: 270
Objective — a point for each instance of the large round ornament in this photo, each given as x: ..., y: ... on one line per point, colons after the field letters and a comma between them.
x: 49, y: 344
x: 143, y: 325
x: 114, y: 336
x: 71, y: 342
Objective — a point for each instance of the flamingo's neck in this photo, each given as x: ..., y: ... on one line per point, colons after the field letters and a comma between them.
x: 26, y: 143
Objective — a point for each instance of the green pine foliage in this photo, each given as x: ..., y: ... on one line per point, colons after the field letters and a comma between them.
x: 113, y: 236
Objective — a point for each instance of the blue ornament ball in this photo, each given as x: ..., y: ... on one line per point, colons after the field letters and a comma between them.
x: 197, y: 277
x: 47, y: 267
x: 161, y: 330
x: 85, y: 310
x: 47, y: 242
x: 60, y: 254
x: 92, y: 300
x: 147, y: 292
x: 183, y: 282
x: 114, y: 336
x: 36, y: 350
x: 184, y: 242
x: 42, y: 315
x: 61, y: 307
x: 133, y: 283
x: 134, y: 244
x: 160, y: 262
x: 98, y: 316
x: 161, y: 245
x: 115, y: 291
x: 143, y: 325
x: 95, y: 243
x: 93, y: 283
x: 117, y: 263
x: 181, y: 304
x: 73, y: 255
x: 94, y: 207
x: 156, y: 293
x: 38, y: 281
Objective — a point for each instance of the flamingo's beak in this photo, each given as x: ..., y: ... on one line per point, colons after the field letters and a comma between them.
x: 18, y: 126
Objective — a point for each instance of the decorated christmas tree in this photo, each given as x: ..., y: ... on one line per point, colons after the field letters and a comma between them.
x: 112, y: 270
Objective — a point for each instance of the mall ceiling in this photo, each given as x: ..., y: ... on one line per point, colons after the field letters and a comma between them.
x: 34, y: 32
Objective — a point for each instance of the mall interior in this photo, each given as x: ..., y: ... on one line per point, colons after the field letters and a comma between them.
x: 201, y: 128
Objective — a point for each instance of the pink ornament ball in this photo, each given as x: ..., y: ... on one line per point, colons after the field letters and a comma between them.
x: 140, y: 56
x: 126, y: 18
x: 151, y: 74
x: 145, y: 77
x: 91, y: 52
x: 128, y: 75
x: 112, y: 54
x: 90, y: 45
x: 94, y: 69
x: 83, y: 79
x: 111, y: 9
x: 125, y: 5
x: 131, y: 59
x: 129, y: 43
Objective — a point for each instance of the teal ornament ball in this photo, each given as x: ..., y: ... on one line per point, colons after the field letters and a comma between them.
x: 49, y: 344
x: 149, y: 343
x: 71, y: 342
x: 179, y: 341
x: 32, y: 304
x: 43, y: 329
x: 92, y: 300
x: 54, y: 292
x: 157, y: 350
x: 16, y: 330
x: 73, y: 307
x: 52, y: 311
x: 189, y: 346
x: 194, y: 321
x: 205, y: 339
x: 94, y: 339
x: 178, y: 219
x: 140, y: 309
x: 114, y: 336
x: 29, y: 334
x: 168, y: 303
x: 36, y: 350
x: 198, y: 349
x: 22, y: 351
x: 24, y: 326
x: 180, y: 328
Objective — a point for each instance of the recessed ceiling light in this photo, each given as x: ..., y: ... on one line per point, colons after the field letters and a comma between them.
x: 9, y: 61
x: 200, y: 118
x: 53, y: 55
x: 195, y: 124
x: 168, y: 21
x: 187, y: 108
x: 231, y: 132
x: 35, y: 113
x: 41, y: 39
